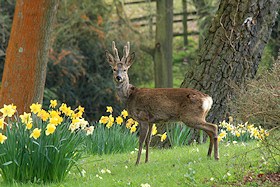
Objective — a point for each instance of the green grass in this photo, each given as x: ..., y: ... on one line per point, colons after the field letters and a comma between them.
x: 167, y: 167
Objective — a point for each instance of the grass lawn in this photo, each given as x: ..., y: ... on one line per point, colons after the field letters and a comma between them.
x: 167, y: 167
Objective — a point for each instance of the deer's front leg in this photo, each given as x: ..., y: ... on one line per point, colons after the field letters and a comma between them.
x: 147, y: 141
x: 144, y: 128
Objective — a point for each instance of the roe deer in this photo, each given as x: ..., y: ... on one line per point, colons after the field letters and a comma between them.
x: 156, y: 105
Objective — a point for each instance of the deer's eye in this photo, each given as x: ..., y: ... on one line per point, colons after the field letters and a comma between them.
x: 114, y: 70
x: 124, y: 70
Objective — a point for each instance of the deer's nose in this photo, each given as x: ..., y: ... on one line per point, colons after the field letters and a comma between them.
x: 118, y: 78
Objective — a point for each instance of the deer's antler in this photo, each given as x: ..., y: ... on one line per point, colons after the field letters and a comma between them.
x: 126, y: 49
x: 115, y: 51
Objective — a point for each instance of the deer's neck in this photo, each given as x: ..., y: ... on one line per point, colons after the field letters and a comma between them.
x: 123, y: 91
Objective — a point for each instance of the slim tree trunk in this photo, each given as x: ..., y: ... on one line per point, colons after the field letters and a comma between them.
x: 163, y: 46
x: 26, y: 61
x: 232, y: 50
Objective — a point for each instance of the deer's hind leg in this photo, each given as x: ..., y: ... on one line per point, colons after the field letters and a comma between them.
x: 144, y: 128
x: 210, y: 129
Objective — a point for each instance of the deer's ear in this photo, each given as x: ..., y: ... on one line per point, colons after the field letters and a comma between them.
x: 110, y: 59
x: 130, y: 59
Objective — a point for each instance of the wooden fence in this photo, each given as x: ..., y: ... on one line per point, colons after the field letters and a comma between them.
x: 149, y: 20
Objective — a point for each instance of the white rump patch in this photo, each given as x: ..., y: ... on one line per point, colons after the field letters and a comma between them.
x: 207, y: 103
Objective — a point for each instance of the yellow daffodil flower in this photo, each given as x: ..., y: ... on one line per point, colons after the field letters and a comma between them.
x: 8, y: 110
x: 63, y: 108
x: 219, y: 138
x: 36, y: 133
x: 35, y: 108
x: 109, y: 124
x: 133, y: 129
x: 154, y: 130
x: 75, y: 120
x: 110, y: 121
x: 26, y: 118
x: 53, y: 103
x: 29, y: 126
x: 2, y: 138
x: 77, y: 115
x: 136, y: 123
x: 124, y: 114
x: 81, y: 109
x: 163, y: 137
x: 237, y: 134
x: 119, y: 120
x: 2, y: 123
x: 44, y: 115
x: 109, y: 109
x: 104, y: 120
x: 129, y: 123
x: 50, y: 129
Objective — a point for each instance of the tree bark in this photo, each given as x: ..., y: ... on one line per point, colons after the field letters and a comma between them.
x: 232, y: 50
x: 26, y: 60
x: 163, y: 46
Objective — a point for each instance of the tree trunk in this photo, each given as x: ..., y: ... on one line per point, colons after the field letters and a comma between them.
x: 232, y: 50
x: 26, y: 60
x: 163, y: 46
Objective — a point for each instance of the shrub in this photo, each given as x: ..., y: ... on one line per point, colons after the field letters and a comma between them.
x: 39, y: 146
x: 259, y: 102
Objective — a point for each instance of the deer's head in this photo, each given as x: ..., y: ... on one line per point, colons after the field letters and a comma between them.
x: 120, y: 67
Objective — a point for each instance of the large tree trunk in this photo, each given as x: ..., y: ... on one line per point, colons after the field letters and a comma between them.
x: 232, y: 50
x: 163, y: 46
x: 26, y: 61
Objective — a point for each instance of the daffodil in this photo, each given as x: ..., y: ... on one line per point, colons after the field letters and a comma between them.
x: 163, y: 137
x: 83, y: 123
x: 35, y: 108
x: 75, y: 120
x: 63, y: 108
x: 29, y: 126
x: 89, y: 130
x: 56, y: 120
x: 223, y: 134
x: 110, y: 122
x: 219, y: 138
x: 2, y: 138
x: 36, y: 133
x: 8, y: 110
x: 53, y: 103
x: 2, y: 123
x: 129, y: 123
x: 44, y: 115
x: 109, y: 109
x: 154, y: 130
x: 237, y: 134
x: 124, y: 114
x: 26, y: 118
x: 76, y: 115
x: 50, y: 129
x: 133, y: 129
x: 74, y: 126
x: 81, y: 109
x: 104, y: 119
x: 119, y: 120
x: 136, y: 123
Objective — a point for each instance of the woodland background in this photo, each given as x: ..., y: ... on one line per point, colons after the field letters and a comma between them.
x: 77, y: 73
